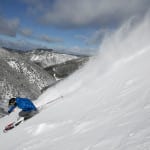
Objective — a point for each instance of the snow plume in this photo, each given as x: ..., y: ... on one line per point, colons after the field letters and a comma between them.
x: 105, y: 105
x: 130, y: 38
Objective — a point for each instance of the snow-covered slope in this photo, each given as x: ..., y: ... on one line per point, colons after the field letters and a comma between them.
x: 47, y: 58
x: 107, y: 109
x: 19, y: 76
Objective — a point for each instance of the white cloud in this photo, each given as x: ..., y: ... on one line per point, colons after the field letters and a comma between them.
x: 81, y: 13
x: 20, y: 44
x: 26, y: 32
x: 43, y: 38
x: 9, y: 27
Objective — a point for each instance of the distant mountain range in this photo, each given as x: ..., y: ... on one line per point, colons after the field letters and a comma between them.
x: 57, y: 64
x: 28, y: 73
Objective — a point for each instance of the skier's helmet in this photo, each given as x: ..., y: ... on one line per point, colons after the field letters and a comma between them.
x: 12, y: 101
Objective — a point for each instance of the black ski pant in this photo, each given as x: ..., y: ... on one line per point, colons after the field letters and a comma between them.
x: 27, y: 114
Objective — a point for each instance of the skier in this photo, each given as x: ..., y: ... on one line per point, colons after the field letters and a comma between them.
x: 28, y: 108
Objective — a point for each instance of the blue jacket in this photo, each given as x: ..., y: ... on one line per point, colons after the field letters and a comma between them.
x: 23, y: 103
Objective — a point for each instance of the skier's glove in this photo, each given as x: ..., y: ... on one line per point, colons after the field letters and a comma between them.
x: 9, y: 112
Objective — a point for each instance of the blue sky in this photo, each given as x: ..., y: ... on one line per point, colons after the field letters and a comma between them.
x: 73, y: 25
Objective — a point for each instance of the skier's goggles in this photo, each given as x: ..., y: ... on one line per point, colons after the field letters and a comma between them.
x: 11, y: 103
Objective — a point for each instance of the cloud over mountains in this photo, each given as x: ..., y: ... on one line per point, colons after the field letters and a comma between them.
x: 85, y: 13
x: 66, y: 23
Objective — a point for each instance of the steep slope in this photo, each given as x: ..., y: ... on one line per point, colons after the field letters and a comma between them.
x: 19, y: 76
x: 107, y: 109
x: 111, y: 112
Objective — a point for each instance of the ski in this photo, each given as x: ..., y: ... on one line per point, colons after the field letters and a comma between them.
x: 12, y: 125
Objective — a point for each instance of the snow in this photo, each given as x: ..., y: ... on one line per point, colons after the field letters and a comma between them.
x: 14, y: 64
x: 51, y: 58
x: 105, y: 105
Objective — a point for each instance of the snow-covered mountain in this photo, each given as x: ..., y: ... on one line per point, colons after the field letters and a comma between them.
x: 57, y: 64
x: 49, y: 57
x: 54, y: 62
x: 21, y: 77
x: 105, y: 105
x: 64, y: 69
